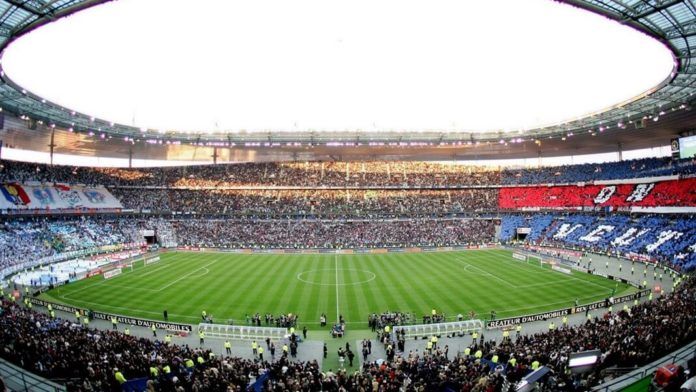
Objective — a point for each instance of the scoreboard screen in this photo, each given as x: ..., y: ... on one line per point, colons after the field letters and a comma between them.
x: 687, y: 147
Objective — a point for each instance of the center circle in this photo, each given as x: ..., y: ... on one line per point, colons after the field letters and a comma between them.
x: 313, y: 276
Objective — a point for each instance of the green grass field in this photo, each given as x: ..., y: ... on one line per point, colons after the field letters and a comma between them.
x: 229, y: 286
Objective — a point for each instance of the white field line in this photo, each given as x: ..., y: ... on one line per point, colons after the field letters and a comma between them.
x: 545, y: 272
x: 153, y: 270
x: 487, y: 273
x: 336, y: 266
x: 113, y: 279
x: 166, y: 286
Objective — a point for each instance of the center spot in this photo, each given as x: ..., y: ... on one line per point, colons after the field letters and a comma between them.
x: 327, y: 277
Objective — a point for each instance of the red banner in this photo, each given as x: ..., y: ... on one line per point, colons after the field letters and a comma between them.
x: 675, y: 193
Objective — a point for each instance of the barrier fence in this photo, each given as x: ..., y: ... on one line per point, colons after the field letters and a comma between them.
x: 18, y: 379
x: 238, y: 332
x: 438, y: 329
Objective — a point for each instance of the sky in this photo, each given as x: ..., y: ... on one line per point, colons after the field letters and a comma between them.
x: 335, y: 65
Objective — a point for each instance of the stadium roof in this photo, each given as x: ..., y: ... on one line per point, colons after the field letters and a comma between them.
x: 671, y: 22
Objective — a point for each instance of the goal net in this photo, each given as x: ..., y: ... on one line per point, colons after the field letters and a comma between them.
x: 531, y: 260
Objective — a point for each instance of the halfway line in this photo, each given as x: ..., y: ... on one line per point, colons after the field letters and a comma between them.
x: 336, y: 264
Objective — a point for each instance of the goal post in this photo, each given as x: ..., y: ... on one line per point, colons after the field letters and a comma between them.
x: 535, y: 261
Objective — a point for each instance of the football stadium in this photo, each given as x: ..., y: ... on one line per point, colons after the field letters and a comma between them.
x: 309, y: 195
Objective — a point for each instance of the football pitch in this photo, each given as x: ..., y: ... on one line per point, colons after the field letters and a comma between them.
x: 230, y: 286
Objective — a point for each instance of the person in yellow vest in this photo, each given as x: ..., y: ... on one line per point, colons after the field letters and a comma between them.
x: 474, y: 335
x: 50, y: 307
x: 154, y: 330
x: 200, y: 360
x: 518, y: 329
x: 429, y: 347
x: 434, y: 340
x: 552, y: 326
x: 204, y: 314
x: 168, y: 338
x: 26, y: 290
x: 645, y: 272
x: 564, y: 320
x: 77, y: 315
x: 512, y: 361
x: 387, y: 329
x: 119, y: 376
x: 260, y: 353
x: 635, y: 302
x: 114, y: 322
x: 52, y: 314
x: 211, y: 356
x: 189, y: 363
x: 632, y: 270
x: 29, y: 305
x: 506, y: 335
x: 201, y: 337
x: 254, y: 348
x: 166, y: 369
x: 645, y: 284
x: 126, y: 331
x: 228, y: 347
x: 589, y: 317
x: 285, y: 350
x: 85, y: 321
x: 650, y: 296
x: 154, y: 372
x: 467, y: 351
x: 611, y: 308
x: 479, y: 354
x: 535, y: 365
x: 495, y: 358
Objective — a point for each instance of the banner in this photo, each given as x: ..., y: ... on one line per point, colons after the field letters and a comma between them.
x: 512, y: 321
x: 112, y: 273
x: 121, y: 319
x: 36, y: 196
x: 674, y: 193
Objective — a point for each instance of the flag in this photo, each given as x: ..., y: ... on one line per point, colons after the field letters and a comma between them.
x: 15, y: 194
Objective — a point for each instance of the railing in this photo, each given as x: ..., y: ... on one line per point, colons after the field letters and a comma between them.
x: 18, y: 379
x: 679, y: 357
x: 238, y: 332
x: 453, y: 328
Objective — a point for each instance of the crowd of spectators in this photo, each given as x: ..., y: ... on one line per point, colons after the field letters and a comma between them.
x: 274, y: 202
x: 569, y: 174
x: 341, y: 174
x: 88, y: 359
x: 379, y: 321
x: 221, y: 233
x: 30, y: 239
x: 663, y: 238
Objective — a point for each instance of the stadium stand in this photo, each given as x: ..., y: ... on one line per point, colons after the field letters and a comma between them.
x: 667, y: 239
x: 89, y: 359
x: 343, y: 174
x: 269, y: 217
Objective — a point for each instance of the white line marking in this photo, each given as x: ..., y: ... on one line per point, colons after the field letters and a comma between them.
x: 161, y: 266
x: 486, y: 272
x: 299, y: 277
x: 187, y: 275
x: 336, y: 265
